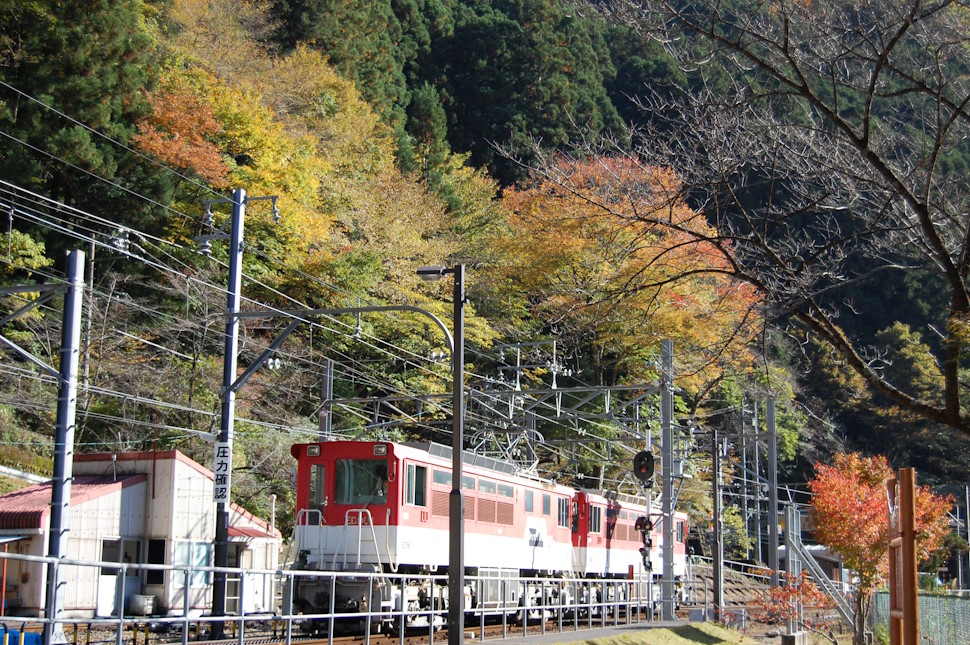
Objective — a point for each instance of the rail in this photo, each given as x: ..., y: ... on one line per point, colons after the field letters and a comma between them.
x: 532, y: 605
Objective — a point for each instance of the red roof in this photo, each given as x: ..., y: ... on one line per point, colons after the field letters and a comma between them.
x: 248, y: 532
x: 26, y: 508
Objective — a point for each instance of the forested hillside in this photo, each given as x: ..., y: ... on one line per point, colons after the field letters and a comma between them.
x: 607, y: 186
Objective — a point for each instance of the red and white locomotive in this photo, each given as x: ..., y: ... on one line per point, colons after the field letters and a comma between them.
x: 382, y: 507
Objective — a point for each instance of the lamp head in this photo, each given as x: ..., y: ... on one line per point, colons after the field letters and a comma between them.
x: 431, y: 273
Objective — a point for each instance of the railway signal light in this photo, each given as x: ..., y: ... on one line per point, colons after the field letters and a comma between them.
x: 643, y: 467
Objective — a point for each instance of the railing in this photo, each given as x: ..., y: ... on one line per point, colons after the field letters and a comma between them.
x: 533, y: 605
x: 944, y: 619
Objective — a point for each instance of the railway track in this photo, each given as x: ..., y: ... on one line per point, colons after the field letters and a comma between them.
x: 274, y: 632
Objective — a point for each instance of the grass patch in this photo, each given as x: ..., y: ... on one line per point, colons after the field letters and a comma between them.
x: 10, y: 484
x: 693, y: 634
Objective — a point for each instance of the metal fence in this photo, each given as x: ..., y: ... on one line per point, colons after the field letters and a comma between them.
x: 532, y: 605
x: 943, y: 619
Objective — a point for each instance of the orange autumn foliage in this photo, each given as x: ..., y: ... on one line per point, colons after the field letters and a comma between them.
x: 176, y: 133
x: 608, y: 249
x: 851, y: 512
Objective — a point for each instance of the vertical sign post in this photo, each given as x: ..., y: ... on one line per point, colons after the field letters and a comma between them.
x: 903, y: 591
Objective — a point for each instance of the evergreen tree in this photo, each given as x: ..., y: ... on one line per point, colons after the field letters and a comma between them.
x: 72, y: 71
x: 361, y: 39
x: 518, y: 70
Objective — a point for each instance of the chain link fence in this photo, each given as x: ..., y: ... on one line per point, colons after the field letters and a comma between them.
x: 943, y: 620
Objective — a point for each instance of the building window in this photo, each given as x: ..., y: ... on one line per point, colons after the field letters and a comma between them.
x: 415, y: 479
x: 192, y: 555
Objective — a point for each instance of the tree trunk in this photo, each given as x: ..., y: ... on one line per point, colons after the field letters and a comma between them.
x: 861, y: 613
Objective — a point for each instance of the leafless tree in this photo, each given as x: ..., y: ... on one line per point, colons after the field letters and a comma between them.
x: 827, y: 138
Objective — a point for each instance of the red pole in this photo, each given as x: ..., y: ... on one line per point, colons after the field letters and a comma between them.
x: 3, y: 585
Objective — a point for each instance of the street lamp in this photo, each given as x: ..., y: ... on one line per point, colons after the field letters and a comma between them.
x: 456, y: 501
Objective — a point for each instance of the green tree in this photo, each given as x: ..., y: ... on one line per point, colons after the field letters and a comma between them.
x: 72, y: 71
x: 361, y: 39
x: 517, y: 70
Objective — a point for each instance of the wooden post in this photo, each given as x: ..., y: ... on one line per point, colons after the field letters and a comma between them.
x: 903, y: 587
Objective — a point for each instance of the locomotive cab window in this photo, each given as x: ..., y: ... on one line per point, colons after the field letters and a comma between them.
x: 415, y: 480
x: 360, y: 481
x: 562, y: 519
x: 595, y: 519
x: 317, y: 482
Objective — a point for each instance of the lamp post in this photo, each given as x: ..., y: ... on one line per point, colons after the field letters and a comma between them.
x: 456, y: 501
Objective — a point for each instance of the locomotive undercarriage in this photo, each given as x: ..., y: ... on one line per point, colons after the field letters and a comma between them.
x: 419, y: 603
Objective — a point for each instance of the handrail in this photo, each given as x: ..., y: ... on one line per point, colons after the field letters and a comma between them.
x: 842, y: 604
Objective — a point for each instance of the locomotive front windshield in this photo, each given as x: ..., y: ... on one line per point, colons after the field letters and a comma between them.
x: 360, y: 481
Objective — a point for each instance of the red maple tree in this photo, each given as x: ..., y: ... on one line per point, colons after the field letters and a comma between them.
x: 851, y: 512
x: 797, y: 600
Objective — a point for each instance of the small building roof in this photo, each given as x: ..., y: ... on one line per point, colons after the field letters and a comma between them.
x: 27, y: 508
x: 248, y: 532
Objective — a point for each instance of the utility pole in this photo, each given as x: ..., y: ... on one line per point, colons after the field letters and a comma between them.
x: 223, y: 446
x: 64, y: 444
x: 326, y: 412
x: 772, y: 494
x: 746, y: 476
x: 222, y: 468
x: 666, y: 427
x: 718, y: 555
x: 756, y: 458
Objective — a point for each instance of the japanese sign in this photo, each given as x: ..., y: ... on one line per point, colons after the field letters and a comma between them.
x: 222, y: 472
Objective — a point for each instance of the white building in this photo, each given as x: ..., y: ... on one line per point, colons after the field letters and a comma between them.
x: 137, y: 508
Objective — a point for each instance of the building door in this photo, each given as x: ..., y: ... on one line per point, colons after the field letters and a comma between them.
x: 123, y: 552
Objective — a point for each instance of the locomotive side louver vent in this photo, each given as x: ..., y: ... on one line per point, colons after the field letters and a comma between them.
x: 505, y: 513
x: 486, y: 511
x: 439, y: 503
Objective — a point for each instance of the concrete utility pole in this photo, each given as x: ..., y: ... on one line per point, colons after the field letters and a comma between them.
x: 223, y: 446
x: 772, y: 494
x: 718, y: 555
x: 222, y: 468
x: 64, y: 444
x: 756, y: 458
x: 666, y: 427
x: 746, y: 478
x: 326, y: 411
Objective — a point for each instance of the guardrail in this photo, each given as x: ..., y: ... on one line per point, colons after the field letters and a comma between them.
x: 531, y: 604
